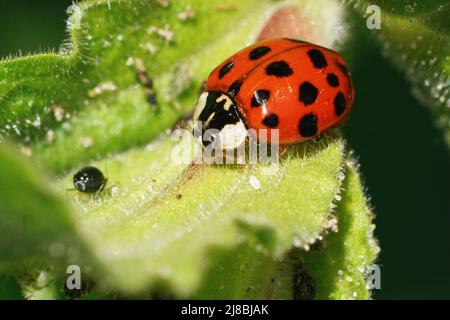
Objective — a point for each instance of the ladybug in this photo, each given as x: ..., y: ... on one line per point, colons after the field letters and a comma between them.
x: 89, y: 180
x: 297, y: 87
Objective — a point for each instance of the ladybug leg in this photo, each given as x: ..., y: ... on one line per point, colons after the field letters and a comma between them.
x: 102, y: 186
x: 281, y: 150
x: 240, y: 158
x: 318, y: 138
x: 102, y: 190
x: 184, y: 122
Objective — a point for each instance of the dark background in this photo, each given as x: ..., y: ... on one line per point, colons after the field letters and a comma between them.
x: 404, y: 159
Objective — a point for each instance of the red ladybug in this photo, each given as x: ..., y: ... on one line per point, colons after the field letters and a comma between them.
x: 297, y: 87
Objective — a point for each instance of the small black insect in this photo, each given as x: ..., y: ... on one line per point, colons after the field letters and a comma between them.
x: 89, y: 180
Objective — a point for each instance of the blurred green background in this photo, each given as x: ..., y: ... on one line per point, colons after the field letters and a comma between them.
x: 404, y: 159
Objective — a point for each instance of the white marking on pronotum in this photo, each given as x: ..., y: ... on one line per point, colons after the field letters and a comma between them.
x: 228, y: 103
x: 200, y: 105
x: 211, y: 116
x: 232, y: 135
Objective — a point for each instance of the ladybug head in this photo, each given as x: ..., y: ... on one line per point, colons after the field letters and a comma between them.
x: 217, y: 119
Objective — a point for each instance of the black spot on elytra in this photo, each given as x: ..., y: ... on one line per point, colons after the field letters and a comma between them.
x: 308, y: 125
x: 279, y: 69
x: 234, y: 88
x: 259, y: 52
x: 260, y: 97
x: 317, y: 58
x: 308, y: 93
x: 339, y: 103
x: 333, y: 80
x: 342, y: 67
x: 225, y: 69
x: 271, y: 121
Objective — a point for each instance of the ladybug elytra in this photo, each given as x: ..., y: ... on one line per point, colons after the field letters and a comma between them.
x: 299, y: 88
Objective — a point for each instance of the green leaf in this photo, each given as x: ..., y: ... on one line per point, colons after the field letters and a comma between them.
x: 338, y: 268
x: 142, y: 234
x: 161, y: 219
x: 41, y: 285
x: 34, y: 222
x: 415, y: 36
x: 9, y: 288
